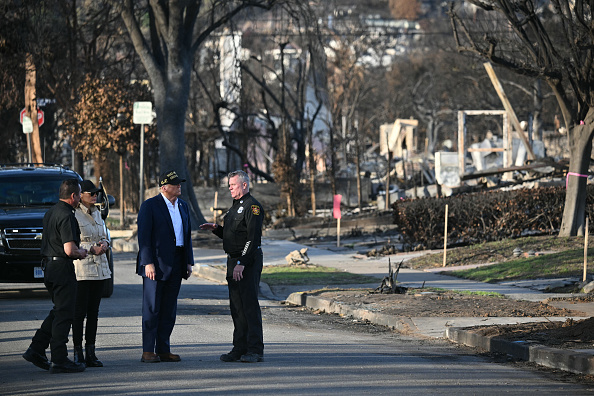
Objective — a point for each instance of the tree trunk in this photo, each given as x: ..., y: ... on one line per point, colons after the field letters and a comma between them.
x: 580, y: 138
x: 31, y: 107
x: 387, y: 186
x: 170, y: 107
x: 122, y: 207
x: 169, y: 72
x: 312, y: 167
x: 332, y: 172
x: 537, y: 105
x: 358, y: 165
x: 78, y: 163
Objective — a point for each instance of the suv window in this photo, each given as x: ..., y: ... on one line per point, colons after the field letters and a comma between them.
x: 16, y: 191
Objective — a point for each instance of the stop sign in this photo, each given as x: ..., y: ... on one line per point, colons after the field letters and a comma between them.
x: 40, y: 116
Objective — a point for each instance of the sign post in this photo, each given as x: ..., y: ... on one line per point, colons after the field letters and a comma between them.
x: 445, y: 236
x: 337, y: 215
x: 27, y: 130
x: 142, y: 114
x: 27, y: 123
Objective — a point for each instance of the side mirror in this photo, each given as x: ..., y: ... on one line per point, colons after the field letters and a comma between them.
x: 104, y: 201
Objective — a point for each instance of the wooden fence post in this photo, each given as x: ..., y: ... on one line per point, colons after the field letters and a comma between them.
x: 585, y: 251
x: 445, y: 236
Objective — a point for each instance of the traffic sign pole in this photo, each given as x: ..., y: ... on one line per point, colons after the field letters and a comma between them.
x: 141, y: 164
x: 142, y: 114
x: 29, y: 148
x: 27, y: 129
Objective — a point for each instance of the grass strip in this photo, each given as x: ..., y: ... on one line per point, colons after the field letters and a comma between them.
x: 284, y: 275
x: 564, y: 264
x: 497, y: 251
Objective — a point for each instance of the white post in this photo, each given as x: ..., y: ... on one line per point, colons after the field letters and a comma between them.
x: 445, y: 236
x: 585, y: 251
x: 214, y: 209
x: 141, y: 195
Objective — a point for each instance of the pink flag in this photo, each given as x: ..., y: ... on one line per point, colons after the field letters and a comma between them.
x: 336, y: 212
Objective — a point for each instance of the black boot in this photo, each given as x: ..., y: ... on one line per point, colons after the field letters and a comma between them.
x: 92, y: 360
x: 78, y: 355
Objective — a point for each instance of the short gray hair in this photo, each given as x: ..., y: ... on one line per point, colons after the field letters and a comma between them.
x: 243, y: 177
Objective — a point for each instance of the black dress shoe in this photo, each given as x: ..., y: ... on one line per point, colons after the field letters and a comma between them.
x: 232, y: 356
x: 67, y: 367
x: 38, y: 359
x: 252, y: 358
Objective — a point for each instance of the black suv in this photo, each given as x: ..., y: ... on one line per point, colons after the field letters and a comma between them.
x: 27, y: 191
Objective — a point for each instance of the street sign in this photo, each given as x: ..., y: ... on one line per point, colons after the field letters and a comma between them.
x: 27, y: 124
x: 40, y: 116
x: 143, y: 113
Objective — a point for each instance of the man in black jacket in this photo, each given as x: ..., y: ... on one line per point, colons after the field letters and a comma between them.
x: 242, y: 234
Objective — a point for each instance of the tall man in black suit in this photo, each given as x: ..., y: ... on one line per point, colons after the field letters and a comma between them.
x: 164, y: 257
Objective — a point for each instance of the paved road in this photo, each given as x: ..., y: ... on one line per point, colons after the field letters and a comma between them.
x: 305, y: 353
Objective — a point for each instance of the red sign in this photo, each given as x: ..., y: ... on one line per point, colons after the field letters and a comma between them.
x: 40, y: 116
x: 336, y: 210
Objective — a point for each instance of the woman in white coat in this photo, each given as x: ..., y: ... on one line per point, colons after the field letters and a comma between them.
x: 91, y: 273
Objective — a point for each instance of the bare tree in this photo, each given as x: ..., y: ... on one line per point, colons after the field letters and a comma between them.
x: 277, y: 79
x: 174, y: 32
x: 101, y: 121
x: 284, y: 96
x: 551, y: 41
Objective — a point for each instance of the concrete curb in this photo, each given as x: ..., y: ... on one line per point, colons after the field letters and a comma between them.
x: 214, y: 274
x: 563, y: 359
x: 208, y: 272
x: 401, y: 324
x: 568, y: 360
x: 123, y: 245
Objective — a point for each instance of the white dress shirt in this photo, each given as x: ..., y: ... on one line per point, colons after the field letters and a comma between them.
x: 176, y: 220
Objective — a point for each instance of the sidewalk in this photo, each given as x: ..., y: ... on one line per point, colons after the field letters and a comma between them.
x: 209, y: 263
x: 580, y: 362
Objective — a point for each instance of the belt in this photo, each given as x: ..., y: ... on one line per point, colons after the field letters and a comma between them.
x: 57, y: 258
x: 239, y: 255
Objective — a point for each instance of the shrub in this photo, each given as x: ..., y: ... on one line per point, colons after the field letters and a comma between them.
x: 482, y: 217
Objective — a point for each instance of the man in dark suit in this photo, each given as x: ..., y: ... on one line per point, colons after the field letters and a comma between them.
x: 164, y: 257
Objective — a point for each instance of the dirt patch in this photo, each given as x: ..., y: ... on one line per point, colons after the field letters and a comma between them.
x: 569, y: 334
x: 443, y: 304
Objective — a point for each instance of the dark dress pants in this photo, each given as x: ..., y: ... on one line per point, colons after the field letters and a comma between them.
x: 245, y: 308
x: 159, y: 308
x: 88, y: 299
x: 60, y: 281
